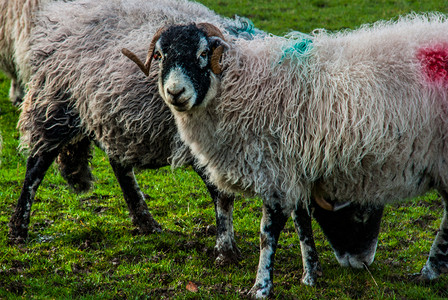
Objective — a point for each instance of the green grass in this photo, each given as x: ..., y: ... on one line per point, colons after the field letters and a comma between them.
x: 83, y: 246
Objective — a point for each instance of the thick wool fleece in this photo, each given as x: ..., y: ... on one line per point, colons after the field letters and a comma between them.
x: 81, y: 78
x: 15, y: 26
x: 353, y: 115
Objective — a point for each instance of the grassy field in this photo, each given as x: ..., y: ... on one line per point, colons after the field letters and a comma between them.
x: 84, y: 246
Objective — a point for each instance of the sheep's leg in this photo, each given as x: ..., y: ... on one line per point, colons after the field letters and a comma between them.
x: 138, y: 210
x: 36, y: 167
x: 16, y: 92
x: 73, y: 161
x: 310, y: 257
x: 272, y: 223
x: 437, y: 262
x: 226, y: 250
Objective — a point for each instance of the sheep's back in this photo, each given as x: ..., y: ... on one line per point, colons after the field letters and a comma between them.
x: 381, y: 110
x: 352, y: 110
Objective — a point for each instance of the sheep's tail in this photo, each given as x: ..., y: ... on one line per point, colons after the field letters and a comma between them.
x: 74, y: 165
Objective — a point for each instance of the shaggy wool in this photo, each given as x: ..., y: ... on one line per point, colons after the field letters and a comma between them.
x: 81, y: 78
x: 15, y: 26
x: 352, y: 115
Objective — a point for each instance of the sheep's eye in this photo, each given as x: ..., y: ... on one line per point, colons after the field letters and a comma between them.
x: 204, y: 54
x: 157, y: 56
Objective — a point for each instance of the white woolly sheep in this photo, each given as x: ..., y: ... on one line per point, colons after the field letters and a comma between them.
x: 357, y: 116
x: 82, y: 90
x: 15, y: 27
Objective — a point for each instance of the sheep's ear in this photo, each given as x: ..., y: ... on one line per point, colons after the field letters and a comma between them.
x: 131, y: 55
x: 152, y: 46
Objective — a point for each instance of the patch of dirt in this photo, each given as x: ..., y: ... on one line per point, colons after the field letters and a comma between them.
x: 162, y: 293
x: 190, y: 245
x: 17, y: 267
x: 15, y: 287
x: 79, y: 269
x: 205, y: 231
x: 424, y: 221
x: 42, y: 225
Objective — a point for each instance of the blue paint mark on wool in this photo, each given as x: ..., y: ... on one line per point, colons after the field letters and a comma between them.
x: 297, y: 49
x: 244, y: 28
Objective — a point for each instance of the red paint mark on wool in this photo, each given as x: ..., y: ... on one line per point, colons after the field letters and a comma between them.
x: 434, y: 61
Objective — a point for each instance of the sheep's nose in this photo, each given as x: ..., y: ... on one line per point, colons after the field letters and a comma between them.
x: 175, y: 93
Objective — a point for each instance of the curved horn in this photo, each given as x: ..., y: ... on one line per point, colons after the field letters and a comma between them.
x: 323, y: 203
x: 132, y: 56
x: 212, y: 30
x: 156, y: 37
x: 214, y: 60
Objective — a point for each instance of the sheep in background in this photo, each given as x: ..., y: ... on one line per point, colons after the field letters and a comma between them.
x: 356, y: 116
x: 84, y: 90
x: 80, y: 93
x: 15, y: 26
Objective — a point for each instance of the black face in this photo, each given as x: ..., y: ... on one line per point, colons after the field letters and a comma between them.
x: 184, y: 54
x: 352, y: 230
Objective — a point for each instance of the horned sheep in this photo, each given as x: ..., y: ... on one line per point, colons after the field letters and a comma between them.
x: 83, y: 90
x: 357, y: 116
x: 70, y: 104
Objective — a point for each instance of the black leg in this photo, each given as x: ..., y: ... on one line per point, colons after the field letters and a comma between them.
x: 74, y: 165
x: 36, y: 167
x: 272, y: 223
x: 310, y: 257
x: 138, y: 210
x: 226, y: 249
x: 437, y: 262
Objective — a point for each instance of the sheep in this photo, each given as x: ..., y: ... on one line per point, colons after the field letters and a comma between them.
x: 67, y: 108
x: 15, y: 26
x: 82, y: 91
x: 356, y: 116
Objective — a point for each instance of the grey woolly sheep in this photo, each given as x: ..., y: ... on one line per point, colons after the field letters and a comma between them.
x: 82, y: 90
x: 15, y: 26
x: 357, y: 116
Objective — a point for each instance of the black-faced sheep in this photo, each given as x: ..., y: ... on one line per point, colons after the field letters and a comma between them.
x: 80, y: 92
x: 83, y: 90
x: 357, y: 116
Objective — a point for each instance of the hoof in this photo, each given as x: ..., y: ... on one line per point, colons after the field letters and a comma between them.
x: 150, y: 229
x: 429, y: 273
x: 15, y: 238
x: 17, y: 233
x: 227, y: 257
x: 259, y: 291
x: 310, y: 277
x: 148, y: 226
